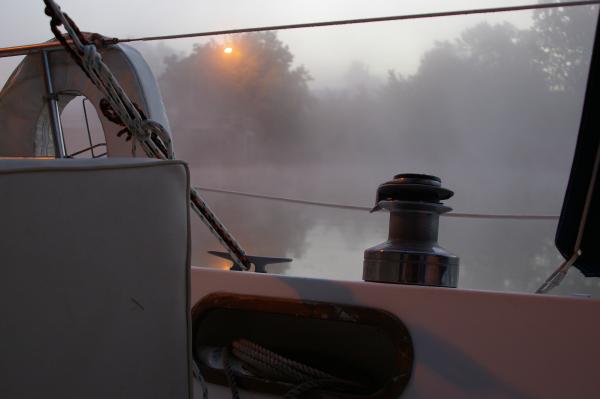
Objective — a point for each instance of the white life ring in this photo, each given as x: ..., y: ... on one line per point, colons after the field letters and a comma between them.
x: 25, y: 129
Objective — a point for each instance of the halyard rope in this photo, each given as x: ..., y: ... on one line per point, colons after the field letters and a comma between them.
x: 152, y: 136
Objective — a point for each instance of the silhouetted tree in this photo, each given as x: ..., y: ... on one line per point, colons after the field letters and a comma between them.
x: 251, y: 96
x: 563, y: 39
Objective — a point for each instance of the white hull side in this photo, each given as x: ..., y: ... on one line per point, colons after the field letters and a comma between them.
x: 468, y: 344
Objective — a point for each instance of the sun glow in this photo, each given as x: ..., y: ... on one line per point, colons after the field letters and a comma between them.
x: 222, y: 264
x: 228, y: 50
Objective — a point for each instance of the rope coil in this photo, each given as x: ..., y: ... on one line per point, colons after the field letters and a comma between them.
x: 266, y: 364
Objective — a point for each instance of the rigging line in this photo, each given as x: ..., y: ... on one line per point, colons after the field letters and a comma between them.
x: 54, y: 45
x: 366, y: 208
x: 363, y: 20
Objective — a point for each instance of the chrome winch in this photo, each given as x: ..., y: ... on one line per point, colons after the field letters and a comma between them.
x: 411, y: 255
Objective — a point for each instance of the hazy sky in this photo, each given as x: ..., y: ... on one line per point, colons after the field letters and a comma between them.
x: 326, y: 52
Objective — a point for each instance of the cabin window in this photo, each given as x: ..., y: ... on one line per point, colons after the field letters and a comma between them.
x: 490, y: 103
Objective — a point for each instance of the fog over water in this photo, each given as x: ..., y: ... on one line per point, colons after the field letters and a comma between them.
x: 494, y: 111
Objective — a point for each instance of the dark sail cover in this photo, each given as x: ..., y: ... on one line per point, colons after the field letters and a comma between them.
x: 584, y: 163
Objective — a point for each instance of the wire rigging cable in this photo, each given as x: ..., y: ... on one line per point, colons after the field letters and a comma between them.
x: 34, y: 48
x: 366, y: 20
x: 366, y: 208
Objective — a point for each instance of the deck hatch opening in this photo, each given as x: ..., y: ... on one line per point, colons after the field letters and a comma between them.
x: 367, y: 346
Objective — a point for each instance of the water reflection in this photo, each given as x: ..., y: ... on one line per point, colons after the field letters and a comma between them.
x: 498, y: 255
